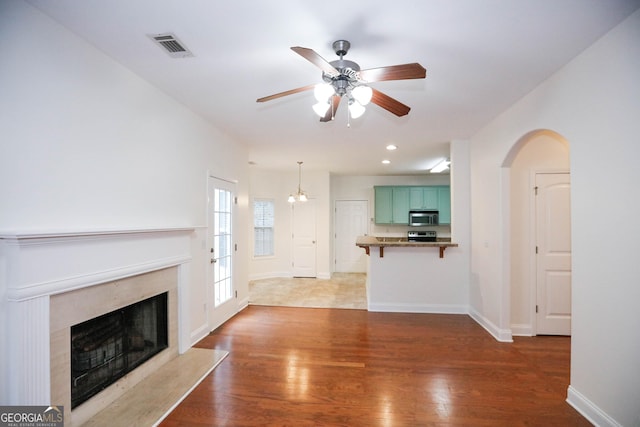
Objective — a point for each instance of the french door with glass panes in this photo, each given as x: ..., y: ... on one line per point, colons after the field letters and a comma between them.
x: 221, y: 250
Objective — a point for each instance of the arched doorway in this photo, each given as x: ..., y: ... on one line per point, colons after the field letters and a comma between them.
x: 538, y: 290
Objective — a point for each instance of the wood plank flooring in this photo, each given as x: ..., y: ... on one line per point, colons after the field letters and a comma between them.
x: 333, y: 367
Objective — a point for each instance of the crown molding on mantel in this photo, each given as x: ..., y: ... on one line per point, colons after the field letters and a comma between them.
x: 47, y: 263
x: 51, y: 234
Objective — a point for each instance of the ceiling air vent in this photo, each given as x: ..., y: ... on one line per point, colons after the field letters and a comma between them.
x: 171, y: 45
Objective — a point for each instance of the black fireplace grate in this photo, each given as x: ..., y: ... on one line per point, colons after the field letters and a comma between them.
x: 106, y: 348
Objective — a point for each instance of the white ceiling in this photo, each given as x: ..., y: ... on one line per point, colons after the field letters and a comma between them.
x: 481, y: 56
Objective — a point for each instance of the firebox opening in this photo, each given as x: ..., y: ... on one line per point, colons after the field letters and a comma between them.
x: 108, y: 347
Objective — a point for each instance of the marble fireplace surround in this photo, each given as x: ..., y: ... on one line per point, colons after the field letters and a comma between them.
x: 57, y: 279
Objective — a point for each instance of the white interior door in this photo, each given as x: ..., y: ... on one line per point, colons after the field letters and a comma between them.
x: 304, y: 239
x: 222, y: 293
x: 350, y: 222
x: 553, y: 243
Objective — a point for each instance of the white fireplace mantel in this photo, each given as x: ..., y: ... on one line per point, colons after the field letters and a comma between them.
x: 39, y: 265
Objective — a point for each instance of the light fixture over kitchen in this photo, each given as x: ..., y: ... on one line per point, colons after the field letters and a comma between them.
x: 299, y: 196
x: 441, y: 167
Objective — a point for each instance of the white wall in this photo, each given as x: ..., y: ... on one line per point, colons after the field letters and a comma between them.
x: 594, y: 102
x: 85, y: 144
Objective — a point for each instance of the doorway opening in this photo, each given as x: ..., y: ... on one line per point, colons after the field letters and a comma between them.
x: 538, y: 154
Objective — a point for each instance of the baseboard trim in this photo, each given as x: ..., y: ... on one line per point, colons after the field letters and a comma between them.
x: 589, y: 410
x: 243, y: 303
x: 270, y: 275
x: 287, y: 274
x: 522, y: 330
x: 199, y: 333
x: 419, y: 308
x: 502, y: 335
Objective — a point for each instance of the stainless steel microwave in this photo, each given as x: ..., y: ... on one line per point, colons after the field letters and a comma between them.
x: 423, y: 217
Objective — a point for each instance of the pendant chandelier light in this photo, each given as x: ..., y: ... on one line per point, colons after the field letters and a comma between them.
x: 300, y: 196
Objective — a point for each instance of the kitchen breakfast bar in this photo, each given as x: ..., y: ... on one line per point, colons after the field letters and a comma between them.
x: 366, y: 242
x: 415, y: 277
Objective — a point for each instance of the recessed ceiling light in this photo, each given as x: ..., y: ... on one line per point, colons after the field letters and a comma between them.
x: 391, y: 147
x: 386, y: 162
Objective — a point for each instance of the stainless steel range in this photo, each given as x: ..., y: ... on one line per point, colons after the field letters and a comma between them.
x: 421, y: 236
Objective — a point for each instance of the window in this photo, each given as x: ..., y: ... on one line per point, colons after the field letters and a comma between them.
x: 262, y: 227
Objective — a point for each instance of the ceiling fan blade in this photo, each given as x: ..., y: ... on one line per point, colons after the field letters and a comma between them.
x: 394, y: 72
x: 331, y: 112
x: 389, y: 104
x: 317, y: 60
x: 288, y: 92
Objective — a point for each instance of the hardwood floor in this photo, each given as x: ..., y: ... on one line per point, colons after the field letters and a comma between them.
x: 332, y: 367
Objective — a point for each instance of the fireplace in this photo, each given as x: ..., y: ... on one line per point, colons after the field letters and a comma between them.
x: 106, y: 348
x: 56, y: 280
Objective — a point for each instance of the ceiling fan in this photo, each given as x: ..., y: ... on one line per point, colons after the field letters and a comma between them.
x: 344, y: 78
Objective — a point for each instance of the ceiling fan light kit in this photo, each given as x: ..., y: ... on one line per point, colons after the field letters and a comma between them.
x: 345, y: 78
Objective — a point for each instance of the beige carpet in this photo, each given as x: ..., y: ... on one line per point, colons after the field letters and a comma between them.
x: 343, y: 290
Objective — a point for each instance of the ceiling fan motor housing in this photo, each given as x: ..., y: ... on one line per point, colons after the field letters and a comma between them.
x: 341, y: 47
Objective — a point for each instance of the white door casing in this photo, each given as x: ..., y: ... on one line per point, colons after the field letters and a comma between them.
x: 553, y: 258
x: 304, y: 239
x: 351, y: 221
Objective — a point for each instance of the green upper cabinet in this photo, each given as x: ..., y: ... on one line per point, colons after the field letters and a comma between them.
x: 401, y: 205
x: 444, y: 205
x: 383, y: 205
x: 423, y: 197
x: 393, y: 203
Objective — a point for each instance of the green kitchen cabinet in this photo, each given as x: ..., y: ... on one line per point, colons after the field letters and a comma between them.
x: 444, y: 204
x: 393, y: 203
x: 423, y: 197
x: 401, y: 205
x: 383, y: 205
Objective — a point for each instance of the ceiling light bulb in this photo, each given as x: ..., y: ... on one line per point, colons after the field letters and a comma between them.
x: 323, y: 91
x: 321, y: 108
x: 391, y: 147
x: 291, y: 199
x: 362, y: 94
x: 302, y: 197
x: 386, y: 162
x: 356, y: 109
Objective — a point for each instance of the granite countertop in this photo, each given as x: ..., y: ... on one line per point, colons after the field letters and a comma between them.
x: 401, y: 242
x: 368, y: 242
